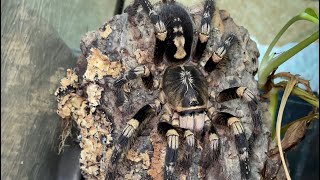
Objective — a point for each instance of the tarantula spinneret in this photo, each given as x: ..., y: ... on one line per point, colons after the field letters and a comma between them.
x: 183, y: 103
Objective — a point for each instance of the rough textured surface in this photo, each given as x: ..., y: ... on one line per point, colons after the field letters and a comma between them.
x: 32, y: 60
x: 131, y: 42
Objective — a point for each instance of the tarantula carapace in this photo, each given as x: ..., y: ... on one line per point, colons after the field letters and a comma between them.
x: 183, y: 103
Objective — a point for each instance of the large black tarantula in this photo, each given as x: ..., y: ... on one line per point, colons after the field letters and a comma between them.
x: 183, y: 103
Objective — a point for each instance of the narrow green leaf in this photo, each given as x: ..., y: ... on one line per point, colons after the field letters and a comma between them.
x: 311, y: 12
x: 301, y: 93
x: 273, y: 109
x: 267, y: 67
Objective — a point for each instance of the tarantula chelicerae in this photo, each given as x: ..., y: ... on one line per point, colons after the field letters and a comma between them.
x: 183, y: 103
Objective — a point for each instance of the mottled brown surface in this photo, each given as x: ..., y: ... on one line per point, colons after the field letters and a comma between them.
x: 136, y: 35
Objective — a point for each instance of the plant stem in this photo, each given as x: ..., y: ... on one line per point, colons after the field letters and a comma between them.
x: 269, y: 66
x: 276, y: 39
x: 273, y: 108
x: 284, y: 99
x: 310, y: 98
x: 301, y: 16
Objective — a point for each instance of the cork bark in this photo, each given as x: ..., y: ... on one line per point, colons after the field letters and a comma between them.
x: 87, y: 97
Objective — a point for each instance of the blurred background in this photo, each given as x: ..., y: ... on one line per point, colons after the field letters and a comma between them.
x: 40, y: 40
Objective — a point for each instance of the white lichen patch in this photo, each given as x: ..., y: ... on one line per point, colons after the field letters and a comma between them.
x: 94, y: 94
x: 99, y: 65
x: 136, y: 157
x: 71, y: 81
x: 142, y: 56
x: 94, y: 155
x: 71, y: 105
x: 93, y: 124
x: 106, y: 32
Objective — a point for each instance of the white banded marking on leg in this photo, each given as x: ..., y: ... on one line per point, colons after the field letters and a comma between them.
x: 212, y: 112
x: 142, y: 70
x: 160, y: 28
x: 189, y: 137
x: 204, y: 34
x: 175, y: 119
x: 240, y: 91
x: 244, y: 157
x: 170, y: 168
x: 166, y: 117
x: 130, y: 128
x: 214, y: 141
x: 236, y: 125
x: 246, y: 94
x: 173, y: 139
x: 218, y: 54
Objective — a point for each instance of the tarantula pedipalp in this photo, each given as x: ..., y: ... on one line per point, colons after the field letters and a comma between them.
x: 184, y: 104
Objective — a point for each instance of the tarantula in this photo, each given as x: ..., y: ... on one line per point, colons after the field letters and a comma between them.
x: 183, y: 103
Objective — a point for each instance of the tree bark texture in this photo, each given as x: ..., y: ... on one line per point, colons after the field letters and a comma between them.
x: 88, y: 98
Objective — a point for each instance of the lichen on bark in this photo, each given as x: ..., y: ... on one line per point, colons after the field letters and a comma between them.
x: 123, y: 43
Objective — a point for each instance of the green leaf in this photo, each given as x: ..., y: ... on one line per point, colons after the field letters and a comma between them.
x: 273, y: 105
x: 268, y: 64
x: 311, y: 12
x: 301, y: 93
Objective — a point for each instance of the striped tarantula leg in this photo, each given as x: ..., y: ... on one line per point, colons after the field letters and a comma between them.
x: 205, y: 28
x: 160, y: 48
x: 160, y: 28
x: 139, y: 71
x: 214, y: 143
x: 190, y: 144
x: 168, y: 1
x: 127, y: 135
x: 211, y: 141
x: 210, y: 64
x: 241, y: 142
x: 172, y: 136
x: 189, y: 137
x: 245, y: 94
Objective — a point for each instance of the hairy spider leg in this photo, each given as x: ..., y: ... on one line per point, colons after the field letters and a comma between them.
x: 245, y: 94
x: 159, y: 26
x: 204, y: 33
x: 210, y: 138
x: 226, y: 119
x: 127, y: 136
x: 134, y: 73
x: 190, y: 140
x: 211, y: 63
x: 168, y: 1
x: 166, y: 129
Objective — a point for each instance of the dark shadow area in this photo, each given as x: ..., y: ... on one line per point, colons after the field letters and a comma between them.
x: 303, y: 159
